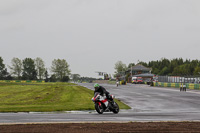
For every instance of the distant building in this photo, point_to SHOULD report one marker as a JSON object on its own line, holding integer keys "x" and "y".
{"x": 138, "y": 70}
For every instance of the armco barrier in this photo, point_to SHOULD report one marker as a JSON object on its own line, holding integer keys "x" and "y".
{"x": 177, "y": 85}
{"x": 22, "y": 81}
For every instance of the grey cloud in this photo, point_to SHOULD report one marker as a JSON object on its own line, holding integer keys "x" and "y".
{"x": 94, "y": 35}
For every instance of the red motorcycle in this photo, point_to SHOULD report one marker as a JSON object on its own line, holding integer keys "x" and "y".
{"x": 102, "y": 104}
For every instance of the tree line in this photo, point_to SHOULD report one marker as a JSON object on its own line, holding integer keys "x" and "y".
{"x": 173, "y": 67}
{"x": 34, "y": 69}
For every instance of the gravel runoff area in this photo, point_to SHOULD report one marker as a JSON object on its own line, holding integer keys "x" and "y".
{"x": 130, "y": 127}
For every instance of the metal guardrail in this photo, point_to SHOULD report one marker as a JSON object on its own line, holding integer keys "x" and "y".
{"x": 179, "y": 79}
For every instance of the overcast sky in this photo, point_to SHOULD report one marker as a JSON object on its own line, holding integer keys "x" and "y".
{"x": 92, "y": 35}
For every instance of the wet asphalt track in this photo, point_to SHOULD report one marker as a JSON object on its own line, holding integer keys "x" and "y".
{"x": 148, "y": 104}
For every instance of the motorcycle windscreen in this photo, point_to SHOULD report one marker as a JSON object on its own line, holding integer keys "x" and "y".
{"x": 96, "y": 93}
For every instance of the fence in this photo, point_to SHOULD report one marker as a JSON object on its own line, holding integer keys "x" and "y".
{"x": 177, "y": 85}
{"x": 179, "y": 79}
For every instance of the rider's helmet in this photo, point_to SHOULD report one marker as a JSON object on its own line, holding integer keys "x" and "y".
{"x": 96, "y": 86}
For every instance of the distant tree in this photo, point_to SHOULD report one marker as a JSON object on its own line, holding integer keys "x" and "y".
{"x": 131, "y": 65}
{"x": 34, "y": 75}
{"x": 155, "y": 66}
{"x": 143, "y": 63}
{"x": 46, "y": 76}
{"x": 155, "y": 70}
{"x": 60, "y": 68}
{"x": 53, "y": 78}
{"x": 40, "y": 67}
{"x": 29, "y": 71}
{"x": 120, "y": 67}
{"x": 5, "y": 75}
{"x": 176, "y": 66}
{"x": 187, "y": 61}
{"x": 127, "y": 76}
{"x": 164, "y": 71}
{"x": 3, "y": 70}
{"x": 181, "y": 70}
{"x": 192, "y": 66}
{"x": 197, "y": 71}
{"x": 180, "y": 61}
{"x": 65, "y": 79}
{"x": 16, "y": 67}
{"x": 75, "y": 77}
{"x": 9, "y": 77}
{"x": 164, "y": 63}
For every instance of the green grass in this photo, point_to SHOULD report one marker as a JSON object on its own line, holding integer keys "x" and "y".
{"x": 45, "y": 97}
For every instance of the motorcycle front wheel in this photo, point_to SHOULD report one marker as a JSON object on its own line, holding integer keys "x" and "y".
{"x": 98, "y": 108}
{"x": 116, "y": 108}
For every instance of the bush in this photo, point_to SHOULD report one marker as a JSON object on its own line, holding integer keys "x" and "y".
{"x": 65, "y": 79}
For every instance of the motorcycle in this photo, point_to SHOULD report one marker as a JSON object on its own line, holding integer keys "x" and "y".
{"x": 102, "y": 104}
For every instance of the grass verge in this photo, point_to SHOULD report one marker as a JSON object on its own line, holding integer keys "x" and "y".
{"x": 46, "y": 97}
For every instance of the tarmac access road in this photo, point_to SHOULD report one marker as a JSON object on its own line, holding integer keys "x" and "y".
{"x": 148, "y": 104}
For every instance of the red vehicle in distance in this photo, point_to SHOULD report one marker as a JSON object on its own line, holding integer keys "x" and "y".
{"x": 137, "y": 80}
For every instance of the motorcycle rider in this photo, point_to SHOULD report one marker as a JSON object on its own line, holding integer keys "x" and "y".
{"x": 117, "y": 83}
{"x": 102, "y": 91}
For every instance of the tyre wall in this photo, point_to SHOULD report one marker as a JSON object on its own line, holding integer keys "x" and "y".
{"x": 177, "y": 85}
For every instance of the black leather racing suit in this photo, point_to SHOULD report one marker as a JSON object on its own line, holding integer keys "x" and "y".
{"x": 102, "y": 91}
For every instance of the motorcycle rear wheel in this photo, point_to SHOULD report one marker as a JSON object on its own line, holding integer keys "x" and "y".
{"x": 98, "y": 108}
